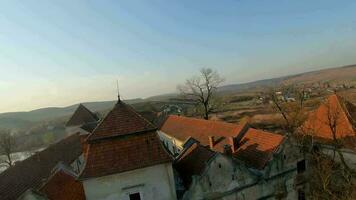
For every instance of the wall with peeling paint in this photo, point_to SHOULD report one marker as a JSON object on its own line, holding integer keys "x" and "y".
{"x": 153, "y": 183}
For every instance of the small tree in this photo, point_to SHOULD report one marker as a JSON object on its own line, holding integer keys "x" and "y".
{"x": 7, "y": 146}
{"x": 202, "y": 89}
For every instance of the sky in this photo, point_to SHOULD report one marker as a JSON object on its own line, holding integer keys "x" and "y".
{"x": 62, "y": 52}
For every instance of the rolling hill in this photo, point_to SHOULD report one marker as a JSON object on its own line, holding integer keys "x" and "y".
{"x": 28, "y": 119}
{"x": 337, "y": 74}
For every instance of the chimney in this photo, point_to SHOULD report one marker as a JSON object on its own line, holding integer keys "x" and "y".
{"x": 234, "y": 143}
{"x": 211, "y": 142}
{"x": 227, "y": 149}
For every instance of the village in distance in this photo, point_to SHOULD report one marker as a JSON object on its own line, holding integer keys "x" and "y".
{"x": 177, "y": 100}
{"x": 285, "y": 138}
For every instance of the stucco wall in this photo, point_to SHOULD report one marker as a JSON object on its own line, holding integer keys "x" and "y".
{"x": 227, "y": 179}
{"x": 154, "y": 183}
{"x": 349, "y": 155}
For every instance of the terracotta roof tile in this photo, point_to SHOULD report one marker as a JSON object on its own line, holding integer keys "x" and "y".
{"x": 334, "y": 109}
{"x": 82, "y": 115}
{"x": 124, "y": 141}
{"x": 124, "y": 153}
{"x": 63, "y": 186}
{"x": 31, "y": 173}
{"x": 184, "y": 127}
{"x": 121, "y": 120}
{"x": 257, "y": 147}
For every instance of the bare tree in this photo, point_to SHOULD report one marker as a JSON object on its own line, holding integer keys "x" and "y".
{"x": 329, "y": 178}
{"x": 202, "y": 89}
{"x": 293, "y": 113}
{"x": 334, "y": 120}
{"x": 7, "y": 146}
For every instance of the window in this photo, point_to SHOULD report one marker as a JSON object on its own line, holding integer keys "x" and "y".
{"x": 301, "y": 195}
{"x": 135, "y": 196}
{"x": 301, "y": 166}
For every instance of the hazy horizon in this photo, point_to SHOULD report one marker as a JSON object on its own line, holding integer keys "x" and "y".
{"x": 59, "y": 53}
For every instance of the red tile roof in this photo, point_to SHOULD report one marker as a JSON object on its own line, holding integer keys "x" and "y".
{"x": 63, "y": 186}
{"x": 184, "y": 127}
{"x": 121, "y": 120}
{"x": 193, "y": 161}
{"x": 31, "y": 172}
{"x": 334, "y": 110}
{"x": 124, "y": 141}
{"x": 124, "y": 154}
{"x": 255, "y": 147}
{"x": 82, "y": 115}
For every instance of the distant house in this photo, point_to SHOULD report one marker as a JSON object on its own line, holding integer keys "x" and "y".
{"x": 335, "y": 111}
{"x": 334, "y": 119}
{"x": 126, "y": 160}
{"x": 221, "y": 160}
{"x": 82, "y": 121}
{"x": 29, "y": 175}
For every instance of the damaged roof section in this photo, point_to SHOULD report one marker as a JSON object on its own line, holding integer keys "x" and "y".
{"x": 192, "y": 161}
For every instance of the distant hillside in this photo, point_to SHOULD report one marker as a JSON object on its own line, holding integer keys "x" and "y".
{"x": 338, "y": 74}
{"x": 27, "y": 119}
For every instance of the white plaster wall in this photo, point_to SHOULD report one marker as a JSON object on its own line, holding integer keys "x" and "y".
{"x": 154, "y": 183}
{"x": 174, "y": 145}
{"x": 349, "y": 156}
{"x": 218, "y": 180}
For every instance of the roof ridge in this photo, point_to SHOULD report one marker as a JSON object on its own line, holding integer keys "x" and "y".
{"x": 115, "y": 113}
{"x": 81, "y": 108}
{"x": 342, "y": 101}
{"x": 87, "y": 109}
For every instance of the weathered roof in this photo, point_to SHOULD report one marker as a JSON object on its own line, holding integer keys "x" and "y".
{"x": 193, "y": 161}
{"x": 82, "y": 115}
{"x": 31, "y": 172}
{"x": 334, "y": 111}
{"x": 122, "y": 154}
{"x": 124, "y": 141}
{"x": 62, "y": 185}
{"x": 89, "y": 127}
{"x": 184, "y": 127}
{"x": 257, "y": 147}
{"x": 254, "y": 147}
{"x": 121, "y": 120}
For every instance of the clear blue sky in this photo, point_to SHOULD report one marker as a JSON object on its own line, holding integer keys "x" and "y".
{"x": 59, "y": 52}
